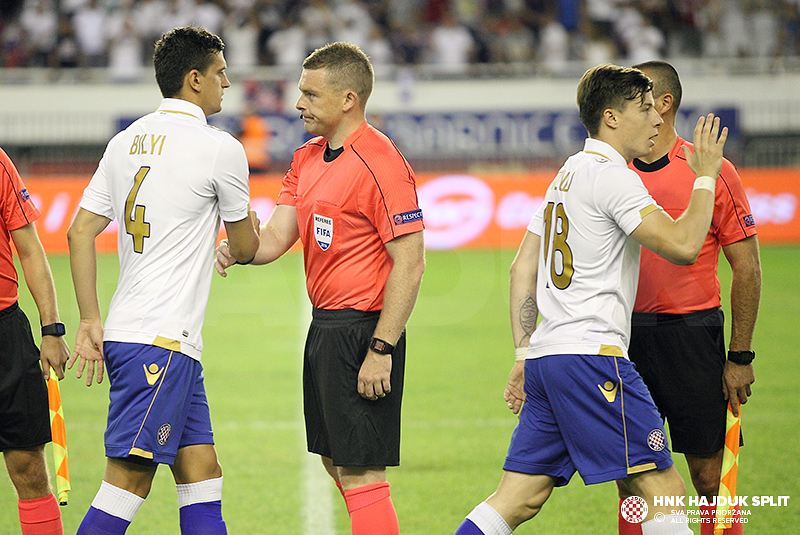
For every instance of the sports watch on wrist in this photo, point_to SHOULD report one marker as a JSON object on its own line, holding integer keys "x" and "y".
{"x": 54, "y": 329}
{"x": 741, "y": 357}
{"x": 381, "y": 346}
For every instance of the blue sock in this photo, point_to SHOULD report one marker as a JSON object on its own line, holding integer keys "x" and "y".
{"x": 97, "y": 522}
{"x": 468, "y": 527}
{"x": 203, "y": 518}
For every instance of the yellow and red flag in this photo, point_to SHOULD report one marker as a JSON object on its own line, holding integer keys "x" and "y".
{"x": 730, "y": 471}
{"x": 59, "y": 432}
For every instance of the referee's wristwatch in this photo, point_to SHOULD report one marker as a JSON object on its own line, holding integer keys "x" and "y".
{"x": 54, "y": 329}
{"x": 741, "y": 357}
{"x": 381, "y": 347}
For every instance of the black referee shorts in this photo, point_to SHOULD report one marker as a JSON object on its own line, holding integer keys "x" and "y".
{"x": 681, "y": 358}
{"x": 24, "y": 408}
{"x": 340, "y": 424}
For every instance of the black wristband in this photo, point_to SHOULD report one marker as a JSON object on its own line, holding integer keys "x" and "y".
{"x": 381, "y": 347}
{"x": 54, "y": 329}
{"x": 741, "y": 357}
{"x": 245, "y": 263}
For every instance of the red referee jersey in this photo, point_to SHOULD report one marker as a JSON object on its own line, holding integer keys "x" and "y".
{"x": 665, "y": 287}
{"x": 347, "y": 209}
{"x": 16, "y": 211}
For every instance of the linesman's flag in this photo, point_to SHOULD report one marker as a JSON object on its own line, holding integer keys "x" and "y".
{"x": 59, "y": 432}
{"x": 730, "y": 470}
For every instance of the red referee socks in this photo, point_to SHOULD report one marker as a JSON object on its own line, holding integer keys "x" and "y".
{"x": 40, "y": 516}
{"x": 710, "y": 511}
{"x": 371, "y": 510}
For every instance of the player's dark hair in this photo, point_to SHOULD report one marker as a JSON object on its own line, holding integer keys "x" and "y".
{"x": 180, "y": 51}
{"x": 348, "y": 68}
{"x": 665, "y": 80}
{"x": 609, "y": 86}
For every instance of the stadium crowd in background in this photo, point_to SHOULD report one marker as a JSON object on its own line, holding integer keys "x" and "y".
{"x": 119, "y": 34}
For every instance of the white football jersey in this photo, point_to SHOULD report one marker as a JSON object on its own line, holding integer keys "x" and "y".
{"x": 588, "y": 264}
{"x": 167, "y": 179}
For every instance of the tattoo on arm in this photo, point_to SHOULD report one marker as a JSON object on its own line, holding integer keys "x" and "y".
{"x": 528, "y": 315}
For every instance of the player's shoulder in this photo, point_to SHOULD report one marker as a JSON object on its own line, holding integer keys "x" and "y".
{"x": 372, "y": 141}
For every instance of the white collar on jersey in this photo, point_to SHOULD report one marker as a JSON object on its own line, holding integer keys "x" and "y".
{"x": 597, "y": 147}
{"x": 182, "y": 107}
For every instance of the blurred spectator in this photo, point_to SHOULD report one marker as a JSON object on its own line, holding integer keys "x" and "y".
{"x": 271, "y": 14}
{"x": 287, "y": 46}
{"x": 642, "y": 41}
{"x": 178, "y": 13}
{"x": 126, "y": 51}
{"x": 554, "y": 45}
{"x": 12, "y": 53}
{"x": 241, "y": 32}
{"x": 514, "y": 42}
{"x": 149, "y": 15}
{"x": 67, "y": 51}
{"x": 209, "y": 15}
{"x": 355, "y": 23}
{"x": 451, "y": 45}
{"x": 319, "y": 21}
{"x": 91, "y": 26}
{"x": 40, "y": 26}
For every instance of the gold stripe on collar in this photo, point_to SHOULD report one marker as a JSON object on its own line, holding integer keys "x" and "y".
{"x": 598, "y": 154}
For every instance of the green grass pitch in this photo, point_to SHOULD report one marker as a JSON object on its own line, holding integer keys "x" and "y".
{"x": 456, "y": 427}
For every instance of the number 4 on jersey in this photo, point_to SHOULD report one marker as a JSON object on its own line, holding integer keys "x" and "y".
{"x": 135, "y": 225}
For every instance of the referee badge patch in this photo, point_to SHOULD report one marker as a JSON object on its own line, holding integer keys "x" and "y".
{"x": 408, "y": 217}
{"x": 656, "y": 440}
{"x": 24, "y": 195}
{"x": 323, "y": 231}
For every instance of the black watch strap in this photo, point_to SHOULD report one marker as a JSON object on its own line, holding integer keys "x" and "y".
{"x": 381, "y": 347}
{"x": 741, "y": 357}
{"x": 54, "y": 329}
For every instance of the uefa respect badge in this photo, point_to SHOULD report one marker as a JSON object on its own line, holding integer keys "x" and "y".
{"x": 634, "y": 509}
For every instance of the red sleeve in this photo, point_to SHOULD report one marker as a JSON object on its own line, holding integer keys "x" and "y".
{"x": 289, "y": 188}
{"x": 392, "y": 204}
{"x": 733, "y": 220}
{"x": 17, "y": 206}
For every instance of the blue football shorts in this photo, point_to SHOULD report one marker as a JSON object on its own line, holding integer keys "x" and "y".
{"x": 157, "y": 403}
{"x": 586, "y": 413}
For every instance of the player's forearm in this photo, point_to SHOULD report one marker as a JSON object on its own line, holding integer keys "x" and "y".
{"x": 522, "y": 293}
{"x": 83, "y": 265}
{"x": 39, "y": 280}
{"x": 278, "y": 234}
{"x": 523, "y": 308}
{"x": 401, "y": 291}
{"x": 745, "y": 298}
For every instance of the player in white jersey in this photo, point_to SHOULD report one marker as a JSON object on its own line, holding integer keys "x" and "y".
{"x": 167, "y": 179}
{"x": 584, "y": 407}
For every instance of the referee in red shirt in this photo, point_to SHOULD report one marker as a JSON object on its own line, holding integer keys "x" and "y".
{"x": 350, "y": 197}
{"x": 677, "y": 335}
{"x": 24, "y": 408}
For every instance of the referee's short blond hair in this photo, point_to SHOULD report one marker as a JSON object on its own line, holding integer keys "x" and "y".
{"x": 348, "y": 67}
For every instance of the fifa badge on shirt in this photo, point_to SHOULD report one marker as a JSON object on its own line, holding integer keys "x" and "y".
{"x": 24, "y": 195}
{"x": 323, "y": 231}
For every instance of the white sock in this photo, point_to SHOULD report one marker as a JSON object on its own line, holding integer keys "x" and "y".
{"x": 488, "y": 520}
{"x": 667, "y": 525}
{"x": 209, "y": 490}
{"x": 117, "y": 502}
